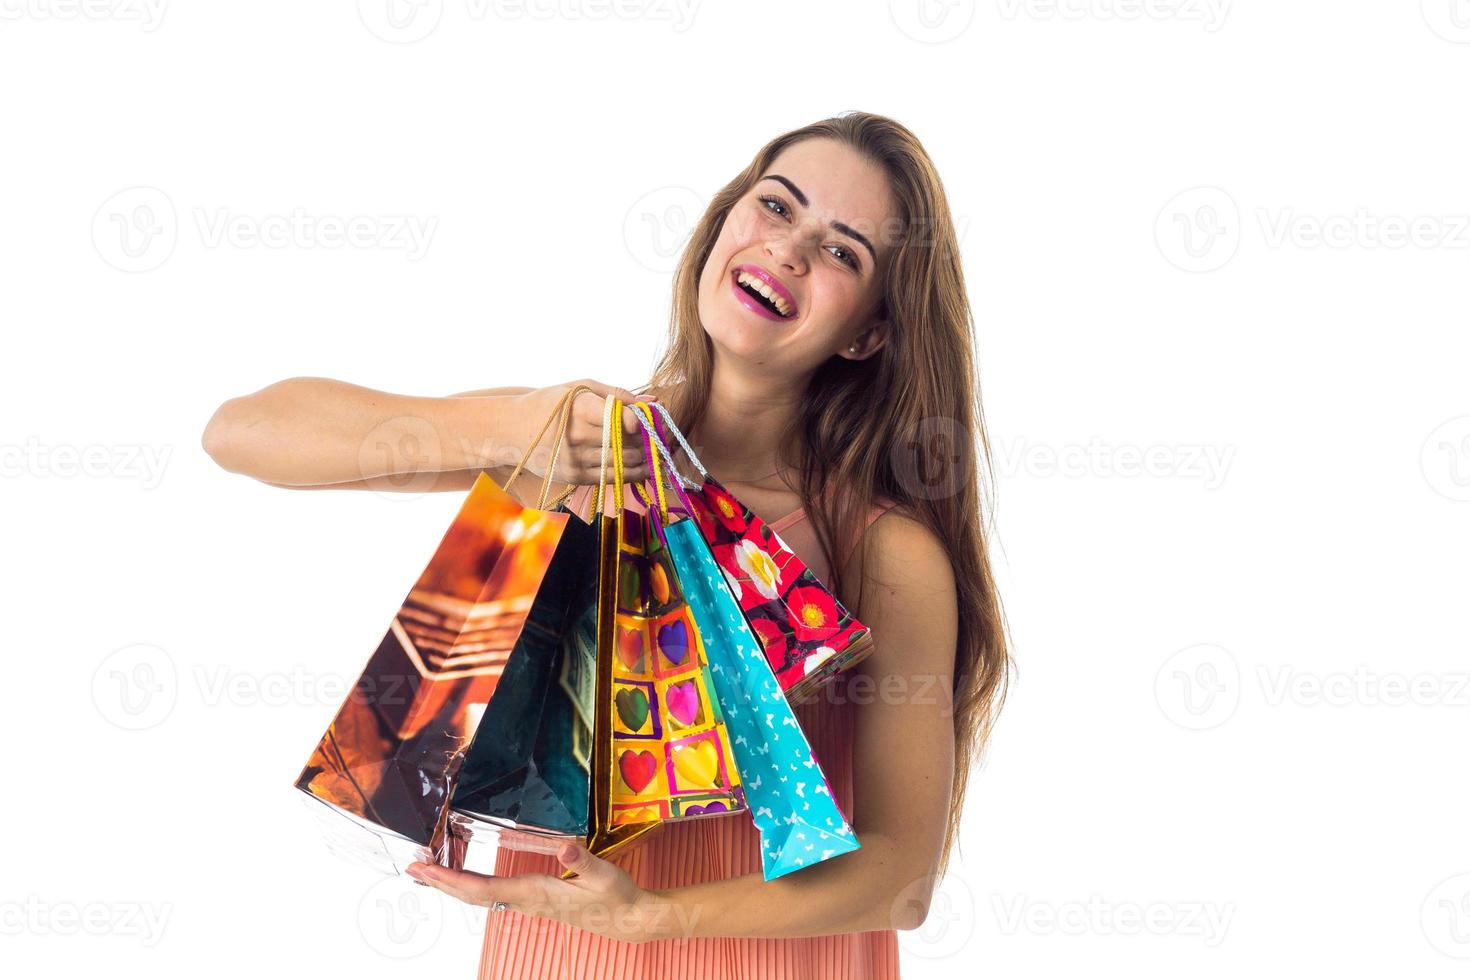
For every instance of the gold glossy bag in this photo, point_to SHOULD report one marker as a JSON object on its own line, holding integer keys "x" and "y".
{"x": 662, "y": 750}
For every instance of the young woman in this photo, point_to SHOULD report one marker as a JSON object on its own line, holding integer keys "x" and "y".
{"x": 821, "y": 360}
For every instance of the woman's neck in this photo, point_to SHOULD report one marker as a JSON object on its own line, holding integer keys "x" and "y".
{"x": 745, "y": 419}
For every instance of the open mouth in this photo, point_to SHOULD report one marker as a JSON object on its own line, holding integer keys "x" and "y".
{"x": 759, "y": 296}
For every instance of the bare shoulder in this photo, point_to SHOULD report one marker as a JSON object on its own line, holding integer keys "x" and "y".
{"x": 900, "y": 551}
{"x": 905, "y": 573}
{"x": 907, "y": 594}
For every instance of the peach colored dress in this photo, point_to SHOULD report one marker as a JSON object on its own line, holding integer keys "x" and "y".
{"x": 685, "y": 852}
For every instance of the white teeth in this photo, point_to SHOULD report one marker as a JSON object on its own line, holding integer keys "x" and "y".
{"x": 746, "y": 279}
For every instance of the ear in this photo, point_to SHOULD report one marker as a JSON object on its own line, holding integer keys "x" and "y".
{"x": 867, "y": 343}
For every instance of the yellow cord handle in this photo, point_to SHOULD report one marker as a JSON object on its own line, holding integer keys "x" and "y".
{"x": 617, "y": 458}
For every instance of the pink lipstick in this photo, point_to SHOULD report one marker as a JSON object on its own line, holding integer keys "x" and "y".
{"x": 752, "y": 300}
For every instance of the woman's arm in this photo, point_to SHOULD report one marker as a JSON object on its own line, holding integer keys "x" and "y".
{"x": 903, "y": 764}
{"x": 319, "y": 432}
{"x": 316, "y": 433}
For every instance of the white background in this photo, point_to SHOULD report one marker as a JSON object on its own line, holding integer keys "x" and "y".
{"x": 1227, "y": 239}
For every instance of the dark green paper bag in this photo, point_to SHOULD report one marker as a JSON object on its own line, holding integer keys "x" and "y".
{"x": 527, "y": 767}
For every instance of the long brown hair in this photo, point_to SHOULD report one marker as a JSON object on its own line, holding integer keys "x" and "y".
{"x": 906, "y": 422}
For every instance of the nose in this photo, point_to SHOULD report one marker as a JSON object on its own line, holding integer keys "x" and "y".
{"x": 787, "y": 250}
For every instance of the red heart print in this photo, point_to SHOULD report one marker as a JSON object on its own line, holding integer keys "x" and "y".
{"x": 630, "y": 647}
{"x": 637, "y": 768}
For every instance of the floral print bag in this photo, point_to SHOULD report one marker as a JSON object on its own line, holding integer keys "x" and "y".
{"x": 807, "y": 634}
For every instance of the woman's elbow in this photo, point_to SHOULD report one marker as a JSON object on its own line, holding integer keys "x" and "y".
{"x": 226, "y": 437}
{"x": 901, "y": 903}
{"x": 241, "y": 431}
{"x": 910, "y": 907}
{"x": 217, "y": 438}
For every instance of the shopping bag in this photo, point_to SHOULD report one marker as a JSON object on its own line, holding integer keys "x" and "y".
{"x": 785, "y": 789}
{"x": 380, "y": 777}
{"x": 807, "y": 634}
{"x": 610, "y": 656}
{"x": 668, "y": 749}
{"x": 528, "y": 766}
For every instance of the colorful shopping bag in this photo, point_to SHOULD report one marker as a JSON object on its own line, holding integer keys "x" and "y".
{"x": 528, "y": 767}
{"x": 381, "y": 776}
{"x": 608, "y": 694}
{"x": 670, "y": 755}
{"x": 531, "y": 778}
{"x": 807, "y": 634}
{"x": 786, "y": 791}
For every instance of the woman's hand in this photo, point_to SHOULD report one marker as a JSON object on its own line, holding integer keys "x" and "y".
{"x": 581, "y": 449}
{"x": 603, "y": 898}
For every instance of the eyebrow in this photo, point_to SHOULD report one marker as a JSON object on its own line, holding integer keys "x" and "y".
{"x": 838, "y": 226}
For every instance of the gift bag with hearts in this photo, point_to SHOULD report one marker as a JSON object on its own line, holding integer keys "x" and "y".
{"x": 668, "y": 746}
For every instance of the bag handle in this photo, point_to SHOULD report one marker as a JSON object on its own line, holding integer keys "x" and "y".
{"x": 683, "y": 443}
{"x": 562, "y": 411}
{"x": 610, "y": 457}
{"x": 655, "y": 450}
{"x": 679, "y": 481}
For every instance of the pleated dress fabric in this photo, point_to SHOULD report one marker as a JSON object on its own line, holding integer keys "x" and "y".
{"x": 520, "y": 947}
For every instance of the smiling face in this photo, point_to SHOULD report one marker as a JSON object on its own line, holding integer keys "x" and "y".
{"x": 797, "y": 272}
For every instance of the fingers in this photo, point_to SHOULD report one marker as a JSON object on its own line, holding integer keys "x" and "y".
{"x": 581, "y": 467}
{"x": 590, "y": 868}
{"x": 589, "y": 406}
{"x": 622, "y": 394}
{"x": 590, "y": 410}
{"x": 582, "y": 451}
{"x": 521, "y": 892}
{"x": 582, "y": 457}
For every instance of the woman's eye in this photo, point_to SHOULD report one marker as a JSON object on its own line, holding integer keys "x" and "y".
{"x": 846, "y": 255}
{"x": 768, "y": 202}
